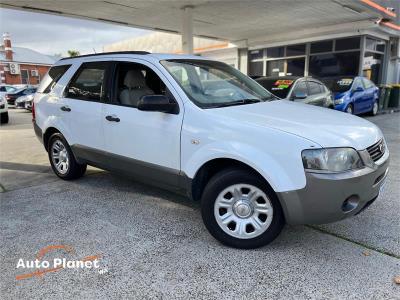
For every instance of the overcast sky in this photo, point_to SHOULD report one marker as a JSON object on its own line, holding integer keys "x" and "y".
{"x": 52, "y": 34}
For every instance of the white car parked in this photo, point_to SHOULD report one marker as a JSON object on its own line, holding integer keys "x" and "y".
{"x": 201, "y": 127}
{"x": 3, "y": 110}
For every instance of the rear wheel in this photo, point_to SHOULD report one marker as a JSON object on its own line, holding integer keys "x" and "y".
{"x": 4, "y": 117}
{"x": 240, "y": 210}
{"x": 62, "y": 159}
{"x": 349, "y": 109}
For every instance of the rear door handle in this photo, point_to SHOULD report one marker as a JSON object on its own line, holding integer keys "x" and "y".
{"x": 65, "y": 108}
{"x": 112, "y": 118}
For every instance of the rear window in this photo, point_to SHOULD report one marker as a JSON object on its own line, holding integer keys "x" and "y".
{"x": 340, "y": 84}
{"x": 52, "y": 77}
{"x": 278, "y": 87}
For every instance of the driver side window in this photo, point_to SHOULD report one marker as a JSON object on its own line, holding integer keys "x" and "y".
{"x": 301, "y": 88}
{"x": 357, "y": 84}
{"x": 133, "y": 81}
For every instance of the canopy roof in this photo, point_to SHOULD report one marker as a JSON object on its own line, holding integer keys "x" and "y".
{"x": 227, "y": 20}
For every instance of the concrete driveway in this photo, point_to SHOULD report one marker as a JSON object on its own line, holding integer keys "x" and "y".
{"x": 153, "y": 244}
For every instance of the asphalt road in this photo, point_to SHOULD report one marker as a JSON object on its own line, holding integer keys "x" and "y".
{"x": 153, "y": 244}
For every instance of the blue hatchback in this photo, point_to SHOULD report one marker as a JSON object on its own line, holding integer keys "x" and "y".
{"x": 354, "y": 94}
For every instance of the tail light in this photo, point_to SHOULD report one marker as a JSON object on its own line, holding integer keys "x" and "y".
{"x": 33, "y": 111}
{"x": 7, "y": 97}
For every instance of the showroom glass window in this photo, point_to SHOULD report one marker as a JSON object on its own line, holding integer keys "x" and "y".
{"x": 338, "y": 57}
{"x": 278, "y": 61}
{"x": 88, "y": 82}
{"x": 348, "y": 56}
{"x": 373, "y": 59}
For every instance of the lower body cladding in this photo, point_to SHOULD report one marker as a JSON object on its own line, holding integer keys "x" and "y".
{"x": 333, "y": 197}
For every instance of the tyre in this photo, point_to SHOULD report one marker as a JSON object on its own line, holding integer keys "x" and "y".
{"x": 349, "y": 109}
{"x": 240, "y": 210}
{"x": 4, "y": 117}
{"x": 62, "y": 159}
{"x": 375, "y": 109}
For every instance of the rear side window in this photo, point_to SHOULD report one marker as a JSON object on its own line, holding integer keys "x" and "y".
{"x": 367, "y": 83}
{"x": 52, "y": 77}
{"x": 315, "y": 88}
{"x": 88, "y": 82}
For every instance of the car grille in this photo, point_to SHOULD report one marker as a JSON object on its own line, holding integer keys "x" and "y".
{"x": 377, "y": 150}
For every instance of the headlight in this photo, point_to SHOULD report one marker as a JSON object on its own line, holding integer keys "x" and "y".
{"x": 339, "y": 101}
{"x": 331, "y": 159}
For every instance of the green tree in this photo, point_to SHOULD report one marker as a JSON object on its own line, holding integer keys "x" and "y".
{"x": 73, "y": 53}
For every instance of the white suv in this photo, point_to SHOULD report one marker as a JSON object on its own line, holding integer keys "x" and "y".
{"x": 201, "y": 127}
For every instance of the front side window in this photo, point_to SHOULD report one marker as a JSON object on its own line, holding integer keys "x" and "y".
{"x": 357, "y": 84}
{"x": 133, "y": 81}
{"x": 301, "y": 88}
{"x": 211, "y": 84}
{"x": 88, "y": 82}
{"x": 314, "y": 88}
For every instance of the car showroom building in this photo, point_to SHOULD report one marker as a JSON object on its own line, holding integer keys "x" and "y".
{"x": 303, "y": 37}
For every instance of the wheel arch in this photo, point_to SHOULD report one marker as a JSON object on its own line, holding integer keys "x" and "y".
{"x": 212, "y": 167}
{"x": 47, "y": 134}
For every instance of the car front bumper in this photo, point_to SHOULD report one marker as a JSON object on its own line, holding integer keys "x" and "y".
{"x": 332, "y": 197}
{"x": 341, "y": 107}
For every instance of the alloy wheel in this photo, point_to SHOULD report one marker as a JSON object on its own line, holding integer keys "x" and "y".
{"x": 375, "y": 108}
{"x": 243, "y": 211}
{"x": 60, "y": 156}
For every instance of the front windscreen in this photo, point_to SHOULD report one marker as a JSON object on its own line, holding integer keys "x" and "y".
{"x": 340, "y": 84}
{"x": 278, "y": 87}
{"x": 211, "y": 84}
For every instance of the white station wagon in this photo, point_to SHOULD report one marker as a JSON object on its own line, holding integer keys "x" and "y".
{"x": 202, "y": 128}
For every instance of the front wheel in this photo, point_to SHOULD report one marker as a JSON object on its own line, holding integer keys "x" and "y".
{"x": 62, "y": 159}
{"x": 375, "y": 108}
{"x": 240, "y": 210}
{"x": 349, "y": 109}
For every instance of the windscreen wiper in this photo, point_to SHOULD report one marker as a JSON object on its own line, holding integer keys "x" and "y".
{"x": 237, "y": 102}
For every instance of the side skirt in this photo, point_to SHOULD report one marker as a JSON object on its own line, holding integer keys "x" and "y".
{"x": 151, "y": 174}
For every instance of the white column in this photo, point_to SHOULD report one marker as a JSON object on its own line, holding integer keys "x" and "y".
{"x": 187, "y": 30}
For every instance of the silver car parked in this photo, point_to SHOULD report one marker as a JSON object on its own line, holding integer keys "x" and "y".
{"x": 300, "y": 89}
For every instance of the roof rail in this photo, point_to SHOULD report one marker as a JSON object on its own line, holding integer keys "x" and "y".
{"x": 109, "y": 53}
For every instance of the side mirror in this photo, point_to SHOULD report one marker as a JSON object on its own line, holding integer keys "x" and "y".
{"x": 158, "y": 103}
{"x": 299, "y": 96}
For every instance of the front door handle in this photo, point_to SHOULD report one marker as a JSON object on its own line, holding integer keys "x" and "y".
{"x": 65, "y": 108}
{"x": 112, "y": 118}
